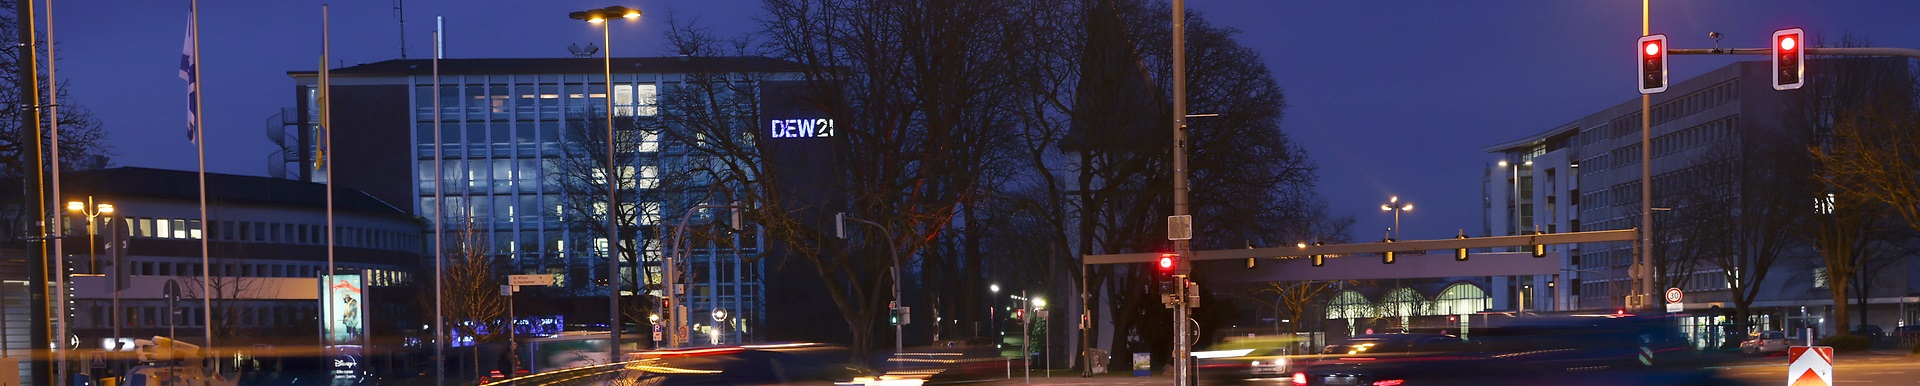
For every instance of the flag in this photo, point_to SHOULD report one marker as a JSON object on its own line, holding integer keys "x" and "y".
{"x": 320, "y": 154}
{"x": 189, "y": 71}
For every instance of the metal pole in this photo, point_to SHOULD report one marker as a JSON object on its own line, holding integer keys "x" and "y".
{"x": 672, "y": 257}
{"x": 113, "y": 282}
{"x": 898, "y": 334}
{"x": 613, "y": 195}
{"x": 1026, "y": 341}
{"x": 1645, "y": 264}
{"x": 1086, "y": 319}
{"x": 1181, "y": 247}
{"x": 29, "y": 79}
{"x": 439, "y": 212}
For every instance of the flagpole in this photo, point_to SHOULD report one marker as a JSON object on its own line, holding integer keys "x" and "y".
{"x": 60, "y": 265}
{"x": 326, "y": 169}
{"x": 439, "y": 262}
{"x": 200, "y": 147}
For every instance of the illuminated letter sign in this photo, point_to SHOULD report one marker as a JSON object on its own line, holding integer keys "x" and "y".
{"x": 800, "y": 128}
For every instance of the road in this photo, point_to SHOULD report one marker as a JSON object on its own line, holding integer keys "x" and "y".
{"x": 1847, "y": 369}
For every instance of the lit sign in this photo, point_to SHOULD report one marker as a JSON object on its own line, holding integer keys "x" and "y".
{"x": 801, "y": 128}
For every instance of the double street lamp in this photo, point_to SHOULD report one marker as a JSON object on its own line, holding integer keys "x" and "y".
{"x": 600, "y": 16}
{"x": 1394, "y": 205}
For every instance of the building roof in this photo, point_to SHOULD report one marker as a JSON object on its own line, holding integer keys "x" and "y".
{"x": 586, "y": 65}
{"x": 225, "y": 189}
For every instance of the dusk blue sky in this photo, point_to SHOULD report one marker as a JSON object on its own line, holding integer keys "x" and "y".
{"x": 1388, "y": 97}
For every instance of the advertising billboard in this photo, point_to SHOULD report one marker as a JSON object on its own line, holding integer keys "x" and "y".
{"x": 343, "y": 309}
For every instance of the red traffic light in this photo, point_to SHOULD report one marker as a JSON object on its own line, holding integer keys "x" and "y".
{"x": 1166, "y": 261}
{"x": 1789, "y": 59}
{"x": 1653, "y": 64}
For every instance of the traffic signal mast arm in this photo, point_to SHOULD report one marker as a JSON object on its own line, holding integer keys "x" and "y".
{"x": 1842, "y": 51}
{"x": 1397, "y": 246}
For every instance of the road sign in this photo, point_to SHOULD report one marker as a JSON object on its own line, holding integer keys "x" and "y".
{"x": 1673, "y": 295}
{"x": 1809, "y": 365}
{"x": 171, "y": 291}
{"x": 517, "y": 280}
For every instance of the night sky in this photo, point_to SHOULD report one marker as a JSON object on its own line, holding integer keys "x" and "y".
{"x": 1388, "y": 97}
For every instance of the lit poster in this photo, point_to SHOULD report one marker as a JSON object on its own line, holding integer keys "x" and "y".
{"x": 343, "y": 309}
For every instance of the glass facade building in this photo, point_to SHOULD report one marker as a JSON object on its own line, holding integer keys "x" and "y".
{"x": 503, "y": 141}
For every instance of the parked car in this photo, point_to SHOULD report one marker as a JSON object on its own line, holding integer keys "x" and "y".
{"x": 1765, "y": 342}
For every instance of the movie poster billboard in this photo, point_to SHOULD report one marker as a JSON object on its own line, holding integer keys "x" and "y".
{"x": 343, "y": 309}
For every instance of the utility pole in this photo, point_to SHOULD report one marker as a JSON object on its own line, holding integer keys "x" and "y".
{"x": 30, "y": 133}
{"x": 1180, "y": 225}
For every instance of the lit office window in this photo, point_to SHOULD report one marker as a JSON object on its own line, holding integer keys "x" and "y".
{"x": 649, "y": 176}
{"x": 650, "y": 213}
{"x": 629, "y": 100}
{"x": 649, "y": 141}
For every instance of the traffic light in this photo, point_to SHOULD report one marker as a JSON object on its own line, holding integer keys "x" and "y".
{"x": 1163, "y": 268}
{"x": 893, "y": 316}
{"x": 1387, "y": 257}
{"x": 1460, "y": 254}
{"x": 1653, "y": 64}
{"x": 1163, "y": 272}
{"x": 1789, "y": 59}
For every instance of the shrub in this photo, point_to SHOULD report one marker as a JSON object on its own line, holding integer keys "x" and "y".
{"x": 1847, "y": 343}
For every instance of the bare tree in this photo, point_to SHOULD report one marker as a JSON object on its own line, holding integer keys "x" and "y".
{"x": 1739, "y": 209}
{"x": 470, "y": 293}
{"x": 82, "y": 142}
{"x": 1853, "y": 102}
{"x": 1294, "y": 300}
{"x": 1874, "y": 128}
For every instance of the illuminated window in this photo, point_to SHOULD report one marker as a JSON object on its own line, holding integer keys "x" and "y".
{"x": 649, "y": 177}
{"x": 649, "y": 141}
{"x": 650, "y": 213}
{"x": 629, "y": 100}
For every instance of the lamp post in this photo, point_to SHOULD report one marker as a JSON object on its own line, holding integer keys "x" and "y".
{"x": 600, "y": 16}
{"x": 1513, "y": 200}
{"x": 898, "y": 333}
{"x": 93, "y": 211}
{"x": 994, "y": 290}
{"x": 1394, "y": 205}
{"x": 675, "y": 320}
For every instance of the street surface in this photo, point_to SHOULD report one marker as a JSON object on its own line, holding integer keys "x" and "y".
{"x": 1876, "y": 369}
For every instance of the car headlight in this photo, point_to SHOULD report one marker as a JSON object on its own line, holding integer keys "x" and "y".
{"x": 1256, "y": 363}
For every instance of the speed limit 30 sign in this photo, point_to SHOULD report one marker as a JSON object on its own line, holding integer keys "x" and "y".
{"x": 1673, "y": 300}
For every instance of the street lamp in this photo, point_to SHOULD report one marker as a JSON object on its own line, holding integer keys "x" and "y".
{"x": 992, "y": 321}
{"x": 92, "y": 211}
{"x": 600, "y": 16}
{"x": 898, "y": 333}
{"x": 1513, "y": 200}
{"x": 1393, "y": 205}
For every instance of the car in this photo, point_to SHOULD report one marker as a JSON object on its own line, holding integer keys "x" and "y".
{"x": 1612, "y": 349}
{"x": 1765, "y": 342}
{"x": 1234, "y": 365}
